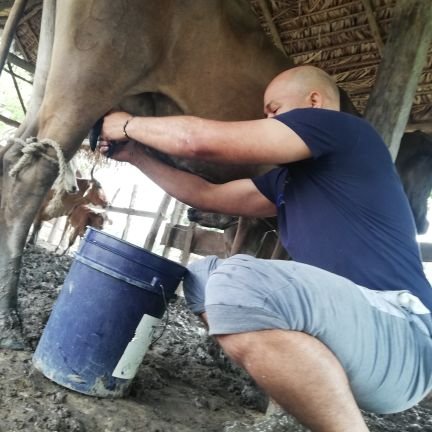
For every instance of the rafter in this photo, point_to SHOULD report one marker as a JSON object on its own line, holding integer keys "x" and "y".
{"x": 373, "y": 24}
{"x": 271, "y": 25}
{"x": 10, "y": 28}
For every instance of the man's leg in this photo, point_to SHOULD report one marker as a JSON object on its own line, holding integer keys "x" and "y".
{"x": 301, "y": 374}
{"x": 384, "y": 348}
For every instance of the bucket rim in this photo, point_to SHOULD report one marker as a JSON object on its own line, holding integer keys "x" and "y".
{"x": 140, "y": 249}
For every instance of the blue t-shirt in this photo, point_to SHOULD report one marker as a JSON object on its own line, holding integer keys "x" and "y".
{"x": 344, "y": 209}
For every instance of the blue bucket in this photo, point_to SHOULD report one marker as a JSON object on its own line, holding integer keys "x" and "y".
{"x": 103, "y": 320}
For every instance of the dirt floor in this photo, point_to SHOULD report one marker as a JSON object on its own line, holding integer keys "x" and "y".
{"x": 184, "y": 384}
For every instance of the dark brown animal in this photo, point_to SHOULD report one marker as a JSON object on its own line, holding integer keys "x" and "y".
{"x": 414, "y": 165}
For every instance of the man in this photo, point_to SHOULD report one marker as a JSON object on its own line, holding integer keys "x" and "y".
{"x": 347, "y": 323}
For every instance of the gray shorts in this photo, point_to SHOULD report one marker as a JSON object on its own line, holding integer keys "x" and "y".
{"x": 381, "y": 338}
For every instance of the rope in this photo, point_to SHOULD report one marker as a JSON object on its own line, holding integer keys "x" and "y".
{"x": 167, "y": 317}
{"x": 32, "y": 146}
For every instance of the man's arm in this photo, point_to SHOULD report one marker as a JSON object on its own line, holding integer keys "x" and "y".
{"x": 239, "y": 197}
{"x": 265, "y": 141}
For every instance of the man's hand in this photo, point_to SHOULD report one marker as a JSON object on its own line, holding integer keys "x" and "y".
{"x": 113, "y": 126}
{"x": 119, "y": 151}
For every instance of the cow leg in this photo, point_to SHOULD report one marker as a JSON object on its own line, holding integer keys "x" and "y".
{"x": 73, "y": 236}
{"x": 21, "y": 199}
{"x": 3, "y": 151}
{"x": 65, "y": 230}
{"x": 35, "y": 232}
{"x": 46, "y": 40}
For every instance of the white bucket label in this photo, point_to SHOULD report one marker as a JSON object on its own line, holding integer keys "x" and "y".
{"x": 134, "y": 353}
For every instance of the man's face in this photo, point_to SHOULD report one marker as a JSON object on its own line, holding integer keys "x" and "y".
{"x": 282, "y": 97}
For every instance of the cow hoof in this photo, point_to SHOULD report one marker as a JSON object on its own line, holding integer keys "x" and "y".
{"x": 11, "y": 336}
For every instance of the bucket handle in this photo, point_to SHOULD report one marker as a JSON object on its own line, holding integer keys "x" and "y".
{"x": 156, "y": 282}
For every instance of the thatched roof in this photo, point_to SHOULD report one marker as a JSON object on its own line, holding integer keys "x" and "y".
{"x": 344, "y": 37}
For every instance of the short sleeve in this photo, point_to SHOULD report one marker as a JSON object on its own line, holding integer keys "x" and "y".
{"x": 268, "y": 183}
{"x": 323, "y": 131}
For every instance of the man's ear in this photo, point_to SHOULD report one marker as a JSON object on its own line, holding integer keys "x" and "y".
{"x": 315, "y": 99}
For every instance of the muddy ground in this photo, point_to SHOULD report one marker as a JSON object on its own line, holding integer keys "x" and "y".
{"x": 184, "y": 384}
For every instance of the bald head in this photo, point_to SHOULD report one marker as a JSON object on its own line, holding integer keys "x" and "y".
{"x": 301, "y": 87}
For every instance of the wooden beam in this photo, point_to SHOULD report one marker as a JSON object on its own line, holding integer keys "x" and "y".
{"x": 9, "y": 121}
{"x": 424, "y": 126}
{"x": 21, "y": 63}
{"x": 17, "y": 89}
{"x": 5, "y": 4}
{"x": 157, "y": 222}
{"x": 373, "y": 25}
{"x": 9, "y": 30}
{"x": 271, "y": 25}
{"x": 179, "y": 209}
{"x": 188, "y": 244}
{"x": 131, "y": 206}
{"x": 205, "y": 242}
{"x": 131, "y": 212}
{"x": 404, "y": 56}
{"x": 10, "y": 72}
{"x": 34, "y": 11}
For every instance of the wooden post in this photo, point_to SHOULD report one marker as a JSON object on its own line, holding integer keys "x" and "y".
{"x": 157, "y": 222}
{"x": 9, "y": 121}
{"x": 272, "y": 27}
{"x": 114, "y": 196}
{"x": 9, "y": 30}
{"x": 177, "y": 214}
{"x": 131, "y": 206}
{"x": 23, "y": 64}
{"x": 373, "y": 26}
{"x": 188, "y": 244}
{"x": 56, "y": 226}
{"x": 404, "y": 57}
{"x": 12, "y": 73}
{"x": 17, "y": 89}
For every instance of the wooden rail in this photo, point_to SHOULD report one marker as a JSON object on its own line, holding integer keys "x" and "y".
{"x": 131, "y": 212}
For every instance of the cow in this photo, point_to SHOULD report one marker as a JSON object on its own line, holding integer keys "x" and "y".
{"x": 414, "y": 165}
{"x": 79, "y": 218}
{"x": 89, "y": 191}
{"x": 149, "y": 58}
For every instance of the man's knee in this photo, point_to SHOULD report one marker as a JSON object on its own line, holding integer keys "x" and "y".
{"x": 243, "y": 347}
{"x": 236, "y": 346}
